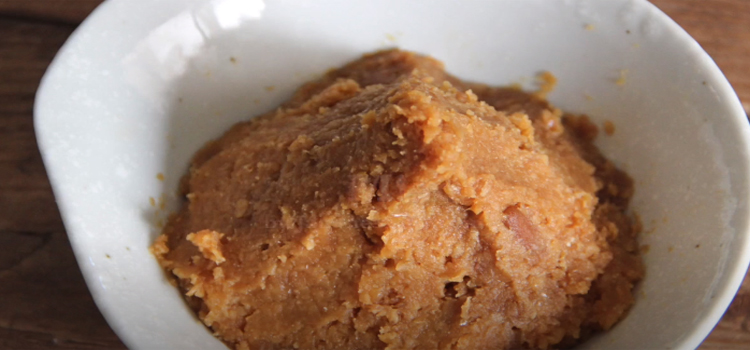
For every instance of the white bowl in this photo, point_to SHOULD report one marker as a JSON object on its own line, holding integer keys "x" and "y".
{"x": 142, "y": 85}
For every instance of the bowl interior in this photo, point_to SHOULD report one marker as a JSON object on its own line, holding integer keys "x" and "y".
{"x": 140, "y": 87}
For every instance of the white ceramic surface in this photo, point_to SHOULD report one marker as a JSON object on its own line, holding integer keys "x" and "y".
{"x": 142, "y": 85}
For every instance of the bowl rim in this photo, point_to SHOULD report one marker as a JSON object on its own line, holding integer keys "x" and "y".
{"x": 736, "y": 272}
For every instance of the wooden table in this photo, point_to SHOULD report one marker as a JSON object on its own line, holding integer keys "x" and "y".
{"x": 44, "y": 303}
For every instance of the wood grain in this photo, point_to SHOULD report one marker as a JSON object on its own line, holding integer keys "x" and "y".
{"x": 55, "y": 11}
{"x": 44, "y": 302}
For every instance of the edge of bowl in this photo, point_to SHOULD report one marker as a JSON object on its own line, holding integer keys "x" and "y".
{"x": 80, "y": 256}
{"x": 735, "y": 269}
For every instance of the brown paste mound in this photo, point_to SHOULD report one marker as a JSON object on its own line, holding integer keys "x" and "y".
{"x": 387, "y": 206}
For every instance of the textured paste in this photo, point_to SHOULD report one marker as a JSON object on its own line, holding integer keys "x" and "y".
{"x": 391, "y": 205}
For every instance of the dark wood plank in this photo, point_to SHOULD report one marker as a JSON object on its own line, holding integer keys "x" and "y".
{"x": 45, "y": 302}
{"x": 733, "y": 332}
{"x": 62, "y": 11}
